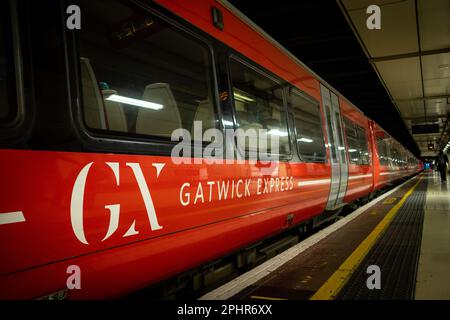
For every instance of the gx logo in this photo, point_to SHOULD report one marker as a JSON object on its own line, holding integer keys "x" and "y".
{"x": 77, "y": 201}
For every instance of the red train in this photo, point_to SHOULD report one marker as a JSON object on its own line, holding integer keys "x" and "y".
{"x": 87, "y": 177}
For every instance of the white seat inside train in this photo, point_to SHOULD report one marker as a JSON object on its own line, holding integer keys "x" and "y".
{"x": 94, "y": 114}
{"x": 100, "y": 113}
{"x": 159, "y": 122}
{"x": 205, "y": 115}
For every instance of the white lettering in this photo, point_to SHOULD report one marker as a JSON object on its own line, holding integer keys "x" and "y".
{"x": 199, "y": 194}
{"x": 185, "y": 197}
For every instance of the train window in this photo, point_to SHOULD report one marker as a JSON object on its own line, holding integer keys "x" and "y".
{"x": 357, "y": 143}
{"x": 340, "y": 142}
{"x": 363, "y": 145}
{"x": 258, "y": 103}
{"x": 330, "y": 126}
{"x": 8, "y": 103}
{"x": 140, "y": 75}
{"x": 308, "y": 127}
{"x": 395, "y": 155}
{"x": 380, "y": 150}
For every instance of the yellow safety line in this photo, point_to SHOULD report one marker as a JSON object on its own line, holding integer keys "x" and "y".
{"x": 265, "y": 298}
{"x": 336, "y": 282}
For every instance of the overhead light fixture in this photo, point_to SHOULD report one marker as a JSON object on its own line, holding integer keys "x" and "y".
{"x": 135, "y": 102}
{"x": 305, "y": 140}
{"x": 352, "y": 150}
{"x": 228, "y": 123}
{"x": 243, "y": 98}
{"x": 444, "y": 66}
{"x": 277, "y": 132}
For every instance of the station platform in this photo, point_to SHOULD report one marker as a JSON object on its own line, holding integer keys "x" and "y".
{"x": 395, "y": 247}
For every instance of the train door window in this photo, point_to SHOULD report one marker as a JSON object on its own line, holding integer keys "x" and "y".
{"x": 330, "y": 126}
{"x": 258, "y": 103}
{"x": 308, "y": 127}
{"x": 352, "y": 142}
{"x": 140, "y": 75}
{"x": 8, "y": 95}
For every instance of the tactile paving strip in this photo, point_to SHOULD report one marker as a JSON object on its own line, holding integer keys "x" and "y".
{"x": 396, "y": 253}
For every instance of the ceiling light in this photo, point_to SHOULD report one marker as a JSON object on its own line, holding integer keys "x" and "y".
{"x": 444, "y": 66}
{"x": 135, "y": 102}
{"x": 227, "y": 123}
{"x": 305, "y": 140}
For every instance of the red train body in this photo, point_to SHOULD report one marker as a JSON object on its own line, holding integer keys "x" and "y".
{"x": 171, "y": 218}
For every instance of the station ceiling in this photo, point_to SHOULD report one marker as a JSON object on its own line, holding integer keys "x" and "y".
{"x": 411, "y": 55}
{"x": 398, "y": 76}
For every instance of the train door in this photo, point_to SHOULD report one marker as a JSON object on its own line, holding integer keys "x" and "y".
{"x": 338, "y": 156}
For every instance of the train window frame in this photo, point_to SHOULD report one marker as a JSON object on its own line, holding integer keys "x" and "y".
{"x": 303, "y": 95}
{"x": 115, "y": 141}
{"x": 16, "y": 95}
{"x": 349, "y": 125}
{"x": 238, "y": 57}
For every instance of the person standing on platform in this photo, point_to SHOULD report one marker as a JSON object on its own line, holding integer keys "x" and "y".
{"x": 441, "y": 162}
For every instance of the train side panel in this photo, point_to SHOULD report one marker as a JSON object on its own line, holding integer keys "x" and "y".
{"x": 80, "y": 204}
